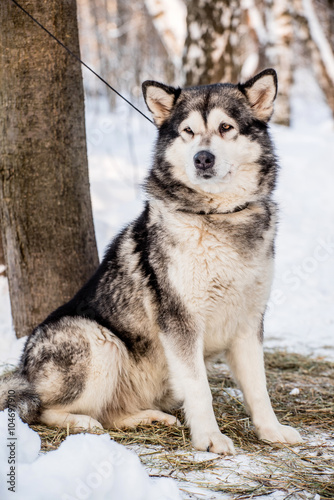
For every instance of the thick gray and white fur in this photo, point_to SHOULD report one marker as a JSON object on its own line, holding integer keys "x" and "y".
{"x": 184, "y": 283}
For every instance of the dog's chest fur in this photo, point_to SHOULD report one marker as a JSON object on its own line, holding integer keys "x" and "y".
{"x": 221, "y": 267}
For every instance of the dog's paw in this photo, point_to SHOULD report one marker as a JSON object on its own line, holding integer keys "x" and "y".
{"x": 215, "y": 442}
{"x": 280, "y": 434}
{"x": 85, "y": 422}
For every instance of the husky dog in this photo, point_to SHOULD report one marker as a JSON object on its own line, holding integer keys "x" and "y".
{"x": 187, "y": 281}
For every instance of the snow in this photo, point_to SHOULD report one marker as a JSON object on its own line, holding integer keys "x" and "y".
{"x": 10, "y": 347}
{"x": 234, "y": 393}
{"x": 84, "y": 466}
{"x": 300, "y": 316}
{"x": 243, "y": 471}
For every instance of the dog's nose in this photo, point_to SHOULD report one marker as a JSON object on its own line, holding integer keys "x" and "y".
{"x": 204, "y": 160}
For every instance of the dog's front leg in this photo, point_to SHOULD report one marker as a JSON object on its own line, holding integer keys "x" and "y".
{"x": 245, "y": 357}
{"x": 190, "y": 383}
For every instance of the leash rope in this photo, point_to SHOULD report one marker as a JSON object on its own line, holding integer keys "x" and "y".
{"x": 78, "y": 59}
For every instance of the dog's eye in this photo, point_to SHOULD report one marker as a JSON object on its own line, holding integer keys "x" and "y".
{"x": 188, "y": 130}
{"x": 224, "y": 127}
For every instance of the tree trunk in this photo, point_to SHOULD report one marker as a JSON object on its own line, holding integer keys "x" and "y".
{"x": 316, "y": 23}
{"x": 2, "y": 259}
{"x": 45, "y": 204}
{"x": 279, "y": 55}
{"x": 213, "y": 43}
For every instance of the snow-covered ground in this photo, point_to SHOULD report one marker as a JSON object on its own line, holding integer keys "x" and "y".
{"x": 300, "y": 315}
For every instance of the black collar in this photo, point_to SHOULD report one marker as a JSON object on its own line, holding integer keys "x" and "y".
{"x": 236, "y": 209}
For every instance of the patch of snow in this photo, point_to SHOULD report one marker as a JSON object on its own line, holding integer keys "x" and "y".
{"x": 10, "y": 347}
{"x": 28, "y": 442}
{"x": 295, "y": 392}
{"x": 234, "y": 393}
{"x": 84, "y": 466}
{"x": 218, "y": 472}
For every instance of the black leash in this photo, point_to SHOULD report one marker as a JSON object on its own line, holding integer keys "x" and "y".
{"x": 78, "y": 59}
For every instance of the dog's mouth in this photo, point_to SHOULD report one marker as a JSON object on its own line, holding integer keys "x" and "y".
{"x": 206, "y": 175}
{"x": 212, "y": 174}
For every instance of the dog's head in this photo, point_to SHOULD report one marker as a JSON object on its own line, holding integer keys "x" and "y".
{"x": 214, "y": 138}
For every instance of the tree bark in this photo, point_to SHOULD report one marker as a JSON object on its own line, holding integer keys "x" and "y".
{"x": 213, "y": 43}
{"x": 320, "y": 43}
{"x": 279, "y": 54}
{"x": 2, "y": 258}
{"x": 45, "y": 205}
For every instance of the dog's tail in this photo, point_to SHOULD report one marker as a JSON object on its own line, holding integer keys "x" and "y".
{"x": 16, "y": 393}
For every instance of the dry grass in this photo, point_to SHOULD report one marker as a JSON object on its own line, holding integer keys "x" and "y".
{"x": 301, "y": 472}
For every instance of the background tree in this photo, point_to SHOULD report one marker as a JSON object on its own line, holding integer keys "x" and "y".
{"x": 126, "y": 47}
{"x": 213, "y": 43}
{"x": 227, "y": 41}
{"x": 314, "y": 41}
{"x": 47, "y": 226}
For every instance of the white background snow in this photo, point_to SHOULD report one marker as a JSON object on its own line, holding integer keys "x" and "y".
{"x": 301, "y": 309}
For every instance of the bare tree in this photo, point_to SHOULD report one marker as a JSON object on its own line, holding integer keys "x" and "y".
{"x": 314, "y": 27}
{"x": 121, "y": 40}
{"x": 45, "y": 207}
{"x": 141, "y": 52}
{"x": 212, "y": 48}
{"x": 279, "y": 54}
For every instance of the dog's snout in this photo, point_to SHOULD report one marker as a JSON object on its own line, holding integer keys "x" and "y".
{"x": 204, "y": 160}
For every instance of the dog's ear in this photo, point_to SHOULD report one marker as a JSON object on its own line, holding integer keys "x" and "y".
{"x": 159, "y": 99}
{"x": 261, "y": 91}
